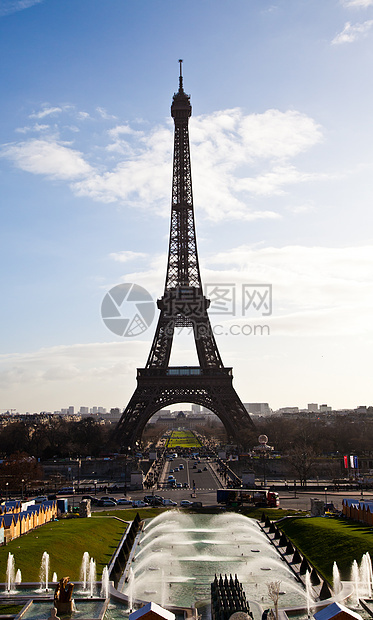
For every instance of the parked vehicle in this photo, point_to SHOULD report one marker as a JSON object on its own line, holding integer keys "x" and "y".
{"x": 111, "y": 498}
{"x": 139, "y": 503}
{"x": 169, "y": 502}
{"x": 106, "y": 502}
{"x": 123, "y": 501}
{"x": 153, "y": 500}
{"x": 185, "y": 503}
{"x": 41, "y": 499}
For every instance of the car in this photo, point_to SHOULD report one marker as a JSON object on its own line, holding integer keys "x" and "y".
{"x": 93, "y": 499}
{"x": 153, "y": 500}
{"x": 205, "y": 469}
{"x": 106, "y": 502}
{"x": 185, "y": 503}
{"x": 176, "y": 469}
{"x": 181, "y": 466}
{"x": 171, "y": 471}
{"x": 123, "y": 501}
{"x": 40, "y": 499}
{"x": 185, "y": 485}
{"x": 179, "y": 485}
{"x": 194, "y": 466}
{"x": 111, "y": 498}
{"x": 169, "y": 502}
{"x": 139, "y": 503}
{"x": 199, "y": 471}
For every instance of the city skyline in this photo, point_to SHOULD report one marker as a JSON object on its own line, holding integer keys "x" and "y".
{"x": 281, "y": 138}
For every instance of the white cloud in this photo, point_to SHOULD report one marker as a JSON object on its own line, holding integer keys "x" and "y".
{"x": 36, "y": 127}
{"x": 357, "y": 3}
{"x": 304, "y": 279}
{"x": 234, "y": 157}
{"x": 126, "y": 255}
{"x": 48, "y": 374}
{"x": 104, "y": 114}
{"x": 351, "y": 33}
{"x": 13, "y": 6}
{"x": 48, "y": 158}
{"x": 46, "y": 112}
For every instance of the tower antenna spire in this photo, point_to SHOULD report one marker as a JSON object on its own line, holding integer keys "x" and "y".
{"x": 181, "y": 75}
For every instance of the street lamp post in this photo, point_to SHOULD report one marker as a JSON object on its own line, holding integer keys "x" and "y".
{"x": 7, "y": 496}
{"x": 125, "y": 470}
{"x": 326, "y": 495}
{"x": 23, "y": 481}
{"x": 263, "y": 441}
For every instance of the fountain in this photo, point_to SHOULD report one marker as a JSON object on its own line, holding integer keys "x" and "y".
{"x": 54, "y": 577}
{"x": 309, "y": 593}
{"x": 337, "y": 586}
{"x": 44, "y": 571}
{"x": 179, "y": 554}
{"x": 92, "y": 576}
{"x": 10, "y": 573}
{"x": 18, "y": 578}
{"x": 105, "y": 583}
{"x": 130, "y": 589}
{"x": 355, "y": 578}
{"x": 365, "y": 572}
{"x": 84, "y": 569}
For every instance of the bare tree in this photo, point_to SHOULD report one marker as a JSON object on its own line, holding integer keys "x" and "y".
{"x": 273, "y": 593}
{"x": 302, "y": 458}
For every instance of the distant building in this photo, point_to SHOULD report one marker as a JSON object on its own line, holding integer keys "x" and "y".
{"x": 325, "y": 408}
{"x": 288, "y": 410}
{"x": 258, "y": 408}
{"x": 313, "y": 407}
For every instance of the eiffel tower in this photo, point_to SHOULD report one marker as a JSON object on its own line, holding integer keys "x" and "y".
{"x": 183, "y": 305}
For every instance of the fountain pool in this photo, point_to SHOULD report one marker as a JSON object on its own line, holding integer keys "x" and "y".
{"x": 179, "y": 554}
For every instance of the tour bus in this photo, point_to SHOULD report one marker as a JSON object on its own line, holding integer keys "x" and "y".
{"x": 258, "y": 497}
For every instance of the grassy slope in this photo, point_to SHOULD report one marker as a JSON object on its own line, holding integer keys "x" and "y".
{"x": 65, "y": 541}
{"x": 184, "y": 439}
{"x": 325, "y": 540}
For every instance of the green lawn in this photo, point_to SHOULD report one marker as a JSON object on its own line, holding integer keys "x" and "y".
{"x": 65, "y": 541}
{"x": 323, "y": 540}
{"x": 10, "y": 609}
{"x": 184, "y": 439}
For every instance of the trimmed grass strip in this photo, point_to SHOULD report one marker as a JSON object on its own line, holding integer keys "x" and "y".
{"x": 325, "y": 540}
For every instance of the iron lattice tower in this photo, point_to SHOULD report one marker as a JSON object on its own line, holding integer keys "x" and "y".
{"x": 183, "y": 305}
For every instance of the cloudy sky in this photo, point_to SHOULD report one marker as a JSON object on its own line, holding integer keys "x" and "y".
{"x": 282, "y": 163}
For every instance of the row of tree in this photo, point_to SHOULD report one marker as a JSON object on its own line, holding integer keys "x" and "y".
{"x": 54, "y": 437}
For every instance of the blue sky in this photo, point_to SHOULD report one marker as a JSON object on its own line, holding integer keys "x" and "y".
{"x": 281, "y": 145}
